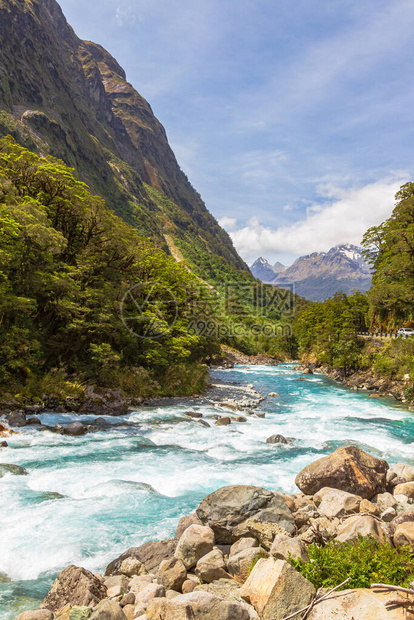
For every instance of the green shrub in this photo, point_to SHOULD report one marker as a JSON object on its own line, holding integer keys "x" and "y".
{"x": 366, "y": 562}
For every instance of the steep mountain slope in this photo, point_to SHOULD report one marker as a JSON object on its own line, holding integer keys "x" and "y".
{"x": 70, "y": 99}
{"x": 320, "y": 275}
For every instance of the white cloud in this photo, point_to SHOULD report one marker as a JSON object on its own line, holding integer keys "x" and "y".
{"x": 229, "y": 223}
{"x": 125, "y": 15}
{"x": 344, "y": 220}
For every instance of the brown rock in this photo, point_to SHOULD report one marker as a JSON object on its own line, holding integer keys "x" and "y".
{"x": 172, "y": 574}
{"x": 184, "y": 523}
{"x": 284, "y": 546}
{"x": 406, "y": 488}
{"x": 129, "y": 611}
{"x": 336, "y": 503}
{"x": 153, "y": 590}
{"x": 404, "y": 517}
{"x": 224, "y": 421}
{"x": 276, "y": 590}
{"x": 188, "y": 586}
{"x": 360, "y": 604}
{"x": 36, "y": 614}
{"x": 150, "y": 554}
{"x": 108, "y": 610}
{"x": 198, "y": 605}
{"x": 196, "y": 541}
{"x": 348, "y": 469}
{"x": 132, "y": 566}
{"x": 75, "y": 429}
{"x": 242, "y": 544}
{"x": 241, "y": 565}
{"x": 228, "y": 510}
{"x": 211, "y": 567}
{"x": 128, "y": 599}
{"x": 369, "y": 507}
{"x": 74, "y": 586}
{"x": 404, "y": 534}
{"x": 360, "y": 525}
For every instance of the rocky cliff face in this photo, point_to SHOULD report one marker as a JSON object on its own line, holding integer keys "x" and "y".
{"x": 318, "y": 276}
{"x": 70, "y": 99}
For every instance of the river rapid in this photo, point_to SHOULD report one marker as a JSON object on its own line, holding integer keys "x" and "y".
{"x": 87, "y": 499}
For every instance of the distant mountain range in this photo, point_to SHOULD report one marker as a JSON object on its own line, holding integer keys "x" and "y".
{"x": 319, "y": 275}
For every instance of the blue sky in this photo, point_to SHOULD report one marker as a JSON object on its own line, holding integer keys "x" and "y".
{"x": 292, "y": 119}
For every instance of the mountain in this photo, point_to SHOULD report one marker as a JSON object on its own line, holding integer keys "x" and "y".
{"x": 69, "y": 98}
{"x": 263, "y": 270}
{"x": 318, "y": 276}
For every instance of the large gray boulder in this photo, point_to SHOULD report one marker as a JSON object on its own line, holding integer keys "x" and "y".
{"x": 150, "y": 554}
{"x": 198, "y": 605}
{"x": 74, "y": 586}
{"x": 228, "y": 510}
{"x": 348, "y": 469}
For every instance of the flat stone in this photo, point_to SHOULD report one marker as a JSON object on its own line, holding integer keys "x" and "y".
{"x": 336, "y": 503}
{"x": 359, "y": 604}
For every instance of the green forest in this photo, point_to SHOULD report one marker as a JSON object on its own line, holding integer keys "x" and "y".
{"x": 327, "y": 332}
{"x": 73, "y": 306}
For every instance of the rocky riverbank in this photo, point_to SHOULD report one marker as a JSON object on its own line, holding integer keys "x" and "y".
{"x": 367, "y": 381}
{"x": 231, "y": 558}
{"x": 235, "y": 398}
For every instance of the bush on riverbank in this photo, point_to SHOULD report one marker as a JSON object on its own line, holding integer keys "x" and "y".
{"x": 366, "y": 562}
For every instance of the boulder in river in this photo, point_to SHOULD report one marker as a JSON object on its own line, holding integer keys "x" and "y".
{"x": 150, "y": 554}
{"x": 4, "y": 444}
{"x": 193, "y": 414}
{"x": 228, "y": 510}
{"x": 75, "y": 429}
{"x": 277, "y": 439}
{"x": 16, "y": 470}
{"x": 74, "y": 586}
{"x": 224, "y": 421}
{"x": 16, "y": 418}
{"x": 33, "y": 420}
{"x": 348, "y": 469}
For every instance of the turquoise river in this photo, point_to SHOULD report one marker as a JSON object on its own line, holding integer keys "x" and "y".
{"x": 87, "y": 499}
